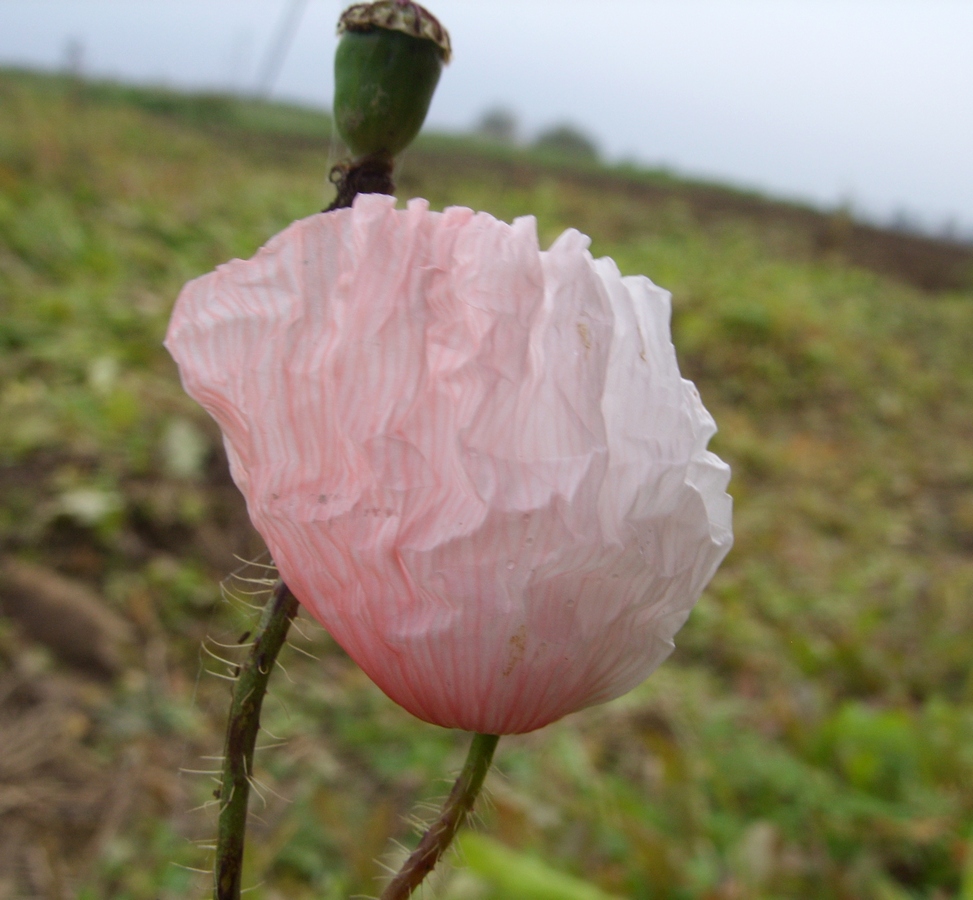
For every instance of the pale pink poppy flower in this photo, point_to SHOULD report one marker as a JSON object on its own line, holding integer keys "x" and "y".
{"x": 474, "y": 462}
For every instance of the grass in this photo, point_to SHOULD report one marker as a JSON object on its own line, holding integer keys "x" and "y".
{"x": 810, "y": 738}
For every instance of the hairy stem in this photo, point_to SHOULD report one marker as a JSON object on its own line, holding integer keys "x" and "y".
{"x": 440, "y": 835}
{"x": 241, "y": 737}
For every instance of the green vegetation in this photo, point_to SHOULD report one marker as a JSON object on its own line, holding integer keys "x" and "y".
{"x": 812, "y": 736}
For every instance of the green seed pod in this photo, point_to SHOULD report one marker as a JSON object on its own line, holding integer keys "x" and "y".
{"x": 386, "y": 69}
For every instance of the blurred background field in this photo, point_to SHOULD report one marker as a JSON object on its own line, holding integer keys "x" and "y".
{"x": 812, "y": 736}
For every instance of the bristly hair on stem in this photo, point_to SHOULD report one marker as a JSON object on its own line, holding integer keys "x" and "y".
{"x": 241, "y": 738}
{"x": 454, "y": 813}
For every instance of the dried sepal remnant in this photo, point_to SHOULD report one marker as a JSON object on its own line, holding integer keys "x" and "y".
{"x": 474, "y": 462}
{"x": 397, "y": 15}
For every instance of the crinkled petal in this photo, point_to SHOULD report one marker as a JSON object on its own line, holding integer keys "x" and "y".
{"x": 476, "y": 463}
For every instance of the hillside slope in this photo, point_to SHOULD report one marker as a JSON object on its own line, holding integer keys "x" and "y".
{"x": 811, "y": 737}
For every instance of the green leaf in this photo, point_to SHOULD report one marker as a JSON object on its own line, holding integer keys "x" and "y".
{"x": 522, "y": 877}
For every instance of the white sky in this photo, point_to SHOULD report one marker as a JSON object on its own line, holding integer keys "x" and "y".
{"x": 866, "y": 102}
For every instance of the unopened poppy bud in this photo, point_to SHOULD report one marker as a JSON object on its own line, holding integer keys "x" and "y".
{"x": 386, "y": 69}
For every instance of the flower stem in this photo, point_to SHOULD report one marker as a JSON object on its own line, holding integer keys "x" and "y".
{"x": 241, "y": 737}
{"x": 369, "y": 175}
{"x": 440, "y": 835}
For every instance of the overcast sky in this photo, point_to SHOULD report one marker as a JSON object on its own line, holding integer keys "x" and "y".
{"x": 860, "y": 102}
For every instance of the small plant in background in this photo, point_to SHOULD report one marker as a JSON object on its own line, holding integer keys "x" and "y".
{"x": 474, "y": 462}
{"x": 499, "y": 125}
{"x": 567, "y": 141}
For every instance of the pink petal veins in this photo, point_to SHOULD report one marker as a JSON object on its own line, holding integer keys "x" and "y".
{"x": 474, "y": 462}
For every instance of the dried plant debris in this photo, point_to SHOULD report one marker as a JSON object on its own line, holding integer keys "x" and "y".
{"x": 56, "y": 796}
{"x": 66, "y": 616}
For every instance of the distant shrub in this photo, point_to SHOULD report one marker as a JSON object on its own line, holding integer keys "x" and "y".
{"x": 567, "y": 140}
{"x": 499, "y": 124}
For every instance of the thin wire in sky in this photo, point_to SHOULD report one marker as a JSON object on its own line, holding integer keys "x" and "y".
{"x": 287, "y": 27}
